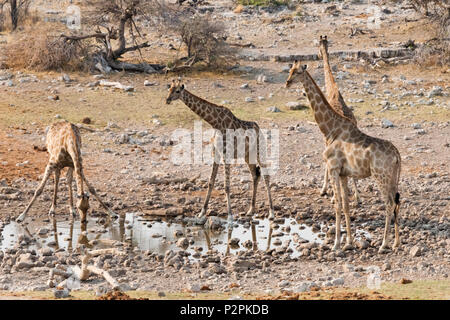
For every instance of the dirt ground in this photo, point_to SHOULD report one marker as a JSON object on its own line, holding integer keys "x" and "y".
{"x": 125, "y": 172}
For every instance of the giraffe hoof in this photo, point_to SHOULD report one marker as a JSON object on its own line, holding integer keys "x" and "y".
{"x": 202, "y": 213}
{"x": 323, "y": 193}
{"x": 383, "y": 249}
{"x": 20, "y": 218}
{"x": 347, "y": 247}
{"x": 336, "y": 247}
{"x": 200, "y": 220}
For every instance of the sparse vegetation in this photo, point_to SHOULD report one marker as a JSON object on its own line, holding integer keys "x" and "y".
{"x": 40, "y": 49}
{"x": 437, "y": 50}
{"x": 204, "y": 38}
{"x": 264, "y": 2}
{"x": 17, "y": 11}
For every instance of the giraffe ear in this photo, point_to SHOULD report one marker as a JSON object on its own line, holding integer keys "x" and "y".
{"x": 168, "y": 86}
{"x": 182, "y": 87}
{"x": 304, "y": 67}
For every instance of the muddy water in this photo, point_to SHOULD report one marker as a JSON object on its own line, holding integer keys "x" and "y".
{"x": 162, "y": 235}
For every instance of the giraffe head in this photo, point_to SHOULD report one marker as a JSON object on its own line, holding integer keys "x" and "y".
{"x": 83, "y": 205}
{"x": 175, "y": 90}
{"x": 297, "y": 70}
{"x": 323, "y": 46}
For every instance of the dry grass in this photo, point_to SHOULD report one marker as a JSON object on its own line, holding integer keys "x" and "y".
{"x": 39, "y": 49}
{"x": 417, "y": 290}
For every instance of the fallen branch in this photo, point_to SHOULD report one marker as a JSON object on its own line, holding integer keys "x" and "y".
{"x": 84, "y": 272}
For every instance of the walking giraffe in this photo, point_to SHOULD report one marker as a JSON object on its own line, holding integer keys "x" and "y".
{"x": 64, "y": 147}
{"x": 351, "y": 153}
{"x": 336, "y": 101}
{"x": 223, "y": 120}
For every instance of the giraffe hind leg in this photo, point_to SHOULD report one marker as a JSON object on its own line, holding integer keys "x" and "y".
{"x": 57, "y": 173}
{"x": 323, "y": 191}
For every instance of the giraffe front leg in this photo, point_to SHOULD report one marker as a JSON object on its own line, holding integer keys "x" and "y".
{"x": 91, "y": 189}
{"x": 37, "y": 193}
{"x": 345, "y": 204}
{"x": 338, "y": 207}
{"x": 212, "y": 180}
{"x": 227, "y": 192}
{"x": 256, "y": 174}
{"x": 69, "y": 179}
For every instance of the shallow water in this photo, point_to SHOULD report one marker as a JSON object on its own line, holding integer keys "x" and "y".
{"x": 159, "y": 235}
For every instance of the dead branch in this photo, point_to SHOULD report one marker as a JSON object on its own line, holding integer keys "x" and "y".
{"x": 84, "y": 272}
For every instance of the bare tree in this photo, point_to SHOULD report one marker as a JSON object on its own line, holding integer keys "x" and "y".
{"x": 204, "y": 38}
{"x": 113, "y": 21}
{"x": 18, "y": 9}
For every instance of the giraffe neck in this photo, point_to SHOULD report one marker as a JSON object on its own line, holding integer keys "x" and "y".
{"x": 330, "y": 84}
{"x": 328, "y": 120}
{"x": 204, "y": 109}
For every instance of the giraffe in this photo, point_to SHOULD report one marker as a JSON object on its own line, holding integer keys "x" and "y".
{"x": 351, "y": 153}
{"x": 223, "y": 120}
{"x": 64, "y": 147}
{"x": 336, "y": 101}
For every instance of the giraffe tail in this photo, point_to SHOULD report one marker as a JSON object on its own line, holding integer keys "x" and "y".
{"x": 258, "y": 171}
{"x": 397, "y": 205}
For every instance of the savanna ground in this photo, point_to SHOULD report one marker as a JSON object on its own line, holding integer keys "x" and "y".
{"x": 122, "y": 171}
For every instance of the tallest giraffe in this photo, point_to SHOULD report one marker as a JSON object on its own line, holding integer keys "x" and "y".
{"x": 336, "y": 101}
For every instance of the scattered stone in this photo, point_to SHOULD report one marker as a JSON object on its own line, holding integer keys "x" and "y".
{"x": 405, "y": 281}
{"x": 61, "y": 293}
{"x": 385, "y": 123}
{"x": 273, "y": 109}
{"x": 415, "y": 251}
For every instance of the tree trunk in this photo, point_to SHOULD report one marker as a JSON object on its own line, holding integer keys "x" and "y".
{"x": 14, "y": 14}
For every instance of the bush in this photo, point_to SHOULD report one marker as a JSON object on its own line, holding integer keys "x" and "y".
{"x": 435, "y": 51}
{"x": 204, "y": 40}
{"x": 42, "y": 51}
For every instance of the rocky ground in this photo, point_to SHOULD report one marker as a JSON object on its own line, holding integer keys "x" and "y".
{"x": 127, "y": 149}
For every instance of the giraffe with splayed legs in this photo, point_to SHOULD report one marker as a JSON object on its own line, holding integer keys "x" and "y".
{"x": 222, "y": 119}
{"x": 64, "y": 147}
{"x": 351, "y": 153}
{"x": 336, "y": 101}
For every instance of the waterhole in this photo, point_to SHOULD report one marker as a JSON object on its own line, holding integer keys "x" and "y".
{"x": 160, "y": 235}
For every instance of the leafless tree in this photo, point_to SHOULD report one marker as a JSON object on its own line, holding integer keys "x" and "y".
{"x": 113, "y": 21}
{"x": 18, "y": 10}
{"x": 204, "y": 38}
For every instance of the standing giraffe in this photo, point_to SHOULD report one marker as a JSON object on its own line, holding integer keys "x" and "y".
{"x": 351, "y": 153}
{"x": 222, "y": 119}
{"x": 336, "y": 101}
{"x": 64, "y": 147}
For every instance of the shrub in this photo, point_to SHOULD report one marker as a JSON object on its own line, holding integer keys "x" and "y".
{"x": 43, "y": 52}
{"x": 436, "y": 50}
